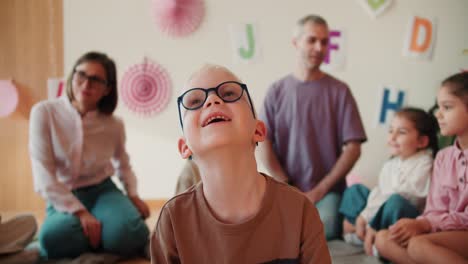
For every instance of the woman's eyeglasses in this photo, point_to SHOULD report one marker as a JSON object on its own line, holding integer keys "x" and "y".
{"x": 94, "y": 81}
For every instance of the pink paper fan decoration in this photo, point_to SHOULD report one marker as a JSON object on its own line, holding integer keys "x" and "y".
{"x": 178, "y": 18}
{"x": 8, "y": 98}
{"x": 145, "y": 88}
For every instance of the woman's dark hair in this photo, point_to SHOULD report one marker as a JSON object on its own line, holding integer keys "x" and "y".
{"x": 425, "y": 123}
{"x": 108, "y": 103}
{"x": 458, "y": 85}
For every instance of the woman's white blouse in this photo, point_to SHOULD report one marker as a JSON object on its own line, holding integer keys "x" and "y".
{"x": 69, "y": 151}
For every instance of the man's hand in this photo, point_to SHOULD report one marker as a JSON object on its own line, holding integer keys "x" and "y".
{"x": 316, "y": 194}
{"x": 141, "y": 206}
{"x": 406, "y": 228}
{"x": 91, "y": 227}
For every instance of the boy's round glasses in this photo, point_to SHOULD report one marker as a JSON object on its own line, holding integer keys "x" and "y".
{"x": 229, "y": 92}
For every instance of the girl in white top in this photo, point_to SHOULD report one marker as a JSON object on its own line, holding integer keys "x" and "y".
{"x": 76, "y": 145}
{"x": 403, "y": 181}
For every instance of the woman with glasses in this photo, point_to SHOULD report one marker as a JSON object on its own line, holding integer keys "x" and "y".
{"x": 76, "y": 145}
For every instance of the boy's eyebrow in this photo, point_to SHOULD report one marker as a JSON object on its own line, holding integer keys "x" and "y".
{"x": 446, "y": 101}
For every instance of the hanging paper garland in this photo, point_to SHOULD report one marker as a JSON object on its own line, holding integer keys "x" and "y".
{"x": 178, "y": 18}
{"x": 145, "y": 88}
{"x": 8, "y": 98}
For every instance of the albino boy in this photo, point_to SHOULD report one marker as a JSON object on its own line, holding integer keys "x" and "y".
{"x": 236, "y": 214}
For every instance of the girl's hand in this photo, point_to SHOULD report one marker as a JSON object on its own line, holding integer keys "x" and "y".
{"x": 361, "y": 225}
{"x": 406, "y": 228}
{"x": 141, "y": 206}
{"x": 91, "y": 227}
{"x": 369, "y": 240}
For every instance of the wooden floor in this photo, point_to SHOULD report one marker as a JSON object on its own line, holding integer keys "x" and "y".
{"x": 155, "y": 207}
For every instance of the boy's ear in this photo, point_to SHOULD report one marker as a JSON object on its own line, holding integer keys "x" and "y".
{"x": 423, "y": 142}
{"x": 184, "y": 149}
{"x": 260, "y": 131}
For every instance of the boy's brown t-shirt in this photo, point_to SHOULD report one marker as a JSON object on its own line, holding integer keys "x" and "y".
{"x": 287, "y": 229}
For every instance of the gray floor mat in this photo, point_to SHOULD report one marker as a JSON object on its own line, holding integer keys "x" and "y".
{"x": 344, "y": 253}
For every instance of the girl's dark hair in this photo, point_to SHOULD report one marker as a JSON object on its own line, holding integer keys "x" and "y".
{"x": 425, "y": 123}
{"x": 458, "y": 85}
{"x": 108, "y": 103}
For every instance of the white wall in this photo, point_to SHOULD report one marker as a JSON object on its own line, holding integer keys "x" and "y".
{"x": 124, "y": 29}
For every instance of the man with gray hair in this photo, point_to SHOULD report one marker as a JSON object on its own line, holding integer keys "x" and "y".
{"x": 314, "y": 130}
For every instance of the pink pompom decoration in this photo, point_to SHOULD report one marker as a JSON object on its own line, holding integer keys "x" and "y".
{"x": 178, "y": 18}
{"x": 8, "y": 98}
{"x": 145, "y": 88}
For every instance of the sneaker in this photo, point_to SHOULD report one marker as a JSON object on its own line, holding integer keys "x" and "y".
{"x": 353, "y": 239}
{"x": 375, "y": 252}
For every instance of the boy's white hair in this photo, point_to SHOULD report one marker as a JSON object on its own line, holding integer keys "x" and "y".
{"x": 209, "y": 67}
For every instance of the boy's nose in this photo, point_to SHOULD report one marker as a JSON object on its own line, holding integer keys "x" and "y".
{"x": 212, "y": 99}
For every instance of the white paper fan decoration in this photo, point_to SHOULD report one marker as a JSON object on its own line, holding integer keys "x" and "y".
{"x": 178, "y": 18}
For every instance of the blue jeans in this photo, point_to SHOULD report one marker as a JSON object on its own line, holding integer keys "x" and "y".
{"x": 123, "y": 231}
{"x": 331, "y": 219}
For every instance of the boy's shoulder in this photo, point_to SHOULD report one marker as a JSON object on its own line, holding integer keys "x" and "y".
{"x": 285, "y": 193}
{"x": 184, "y": 200}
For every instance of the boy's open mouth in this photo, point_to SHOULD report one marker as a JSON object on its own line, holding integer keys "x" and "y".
{"x": 215, "y": 119}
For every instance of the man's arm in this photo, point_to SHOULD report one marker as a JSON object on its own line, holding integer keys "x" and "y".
{"x": 346, "y": 161}
{"x": 269, "y": 159}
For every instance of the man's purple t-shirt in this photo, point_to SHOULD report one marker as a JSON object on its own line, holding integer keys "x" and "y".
{"x": 308, "y": 122}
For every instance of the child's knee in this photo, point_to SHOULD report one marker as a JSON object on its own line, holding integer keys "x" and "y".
{"x": 395, "y": 200}
{"x": 417, "y": 247}
{"x": 381, "y": 241}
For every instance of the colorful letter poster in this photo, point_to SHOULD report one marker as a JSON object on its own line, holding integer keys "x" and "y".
{"x": 375, "y": 7}
{"x": 420, "y": 39}
{"x": 390, "y": 101}
{"x": 336, "y": 54}
{"x": 55, "y": 88}
{"x": 245, "y": 44}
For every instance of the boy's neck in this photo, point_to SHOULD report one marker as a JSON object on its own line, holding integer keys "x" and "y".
{"x": 232, "y": 186}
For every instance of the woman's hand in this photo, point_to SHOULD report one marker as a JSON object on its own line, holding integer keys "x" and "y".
{"x": 91, "y": 227}
{"x": 141, "y": 206}
{"x": 361, "y": 225}
{"x": 406, "y": 228}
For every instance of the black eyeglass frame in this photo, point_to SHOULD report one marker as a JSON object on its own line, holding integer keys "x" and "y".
{"x": 91, "y": 78}
{"x": 215, "y": 89}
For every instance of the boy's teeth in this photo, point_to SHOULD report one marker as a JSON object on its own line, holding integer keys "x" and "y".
{"x": 215, "y": 117}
